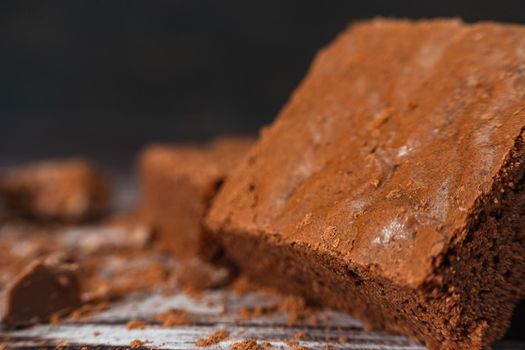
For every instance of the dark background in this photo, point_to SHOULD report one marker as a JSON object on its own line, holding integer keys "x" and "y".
{"x": 104, "y": 77}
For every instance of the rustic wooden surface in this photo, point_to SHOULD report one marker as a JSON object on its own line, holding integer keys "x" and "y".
{"x": 210, "y": 311}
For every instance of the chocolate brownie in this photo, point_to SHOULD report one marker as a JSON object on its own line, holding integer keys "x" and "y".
{"x": 46, "y": 287}
{"x": 391, "y": 184}
{"x": 178, "y": 183}
{"x": 67, "y": 190}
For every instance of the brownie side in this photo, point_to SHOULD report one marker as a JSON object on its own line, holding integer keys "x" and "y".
{"x": 171, "y": 200}
{"x": 466, "y": 305}
{"x": 178, "y": 183}
{"x": 483, "y": 270}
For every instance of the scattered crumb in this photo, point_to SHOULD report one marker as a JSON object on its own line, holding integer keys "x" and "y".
{"x": 247, "y": 313}
{"x": 297, "y": 310}
{"x": 291, "y": 343}
{"x": 214, "y": 338}
{"x": 88, "y": 309}
{"x": 294, "y": 345}
{"x": 55, "y": 319}
{"x": 247, "y": 344}
{"x": 136, "y": 344}
{"x": 173, "y": 318}
{"x": 196, "y": 276}
{"x": 95, "y": 334}
{"x": 342, "y": 339}
{"x": 294, "y": 306}
{"x": 136, "y": 324}
{"x": 242, "y": 285}
{"x": 300, "y": 335}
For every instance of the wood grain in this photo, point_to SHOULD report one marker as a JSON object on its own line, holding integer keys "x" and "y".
{"x": 211, "y": 311}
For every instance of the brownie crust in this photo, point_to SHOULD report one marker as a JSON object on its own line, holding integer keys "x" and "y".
{"x": 391, "y": 184}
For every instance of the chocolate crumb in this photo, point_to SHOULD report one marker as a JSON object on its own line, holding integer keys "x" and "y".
{"x": 88, "y": 309}
{"x": 55, "y": 319}
{"x": 54, "y": 280}
{"x": 242, "y": 285}
{"x": 136, "y": 324}
{"x": 247, "y": 344}
{"x": 291, "y": 343}
{"x": 214, "y": 338}
{"x": 173, "y": 318}
{"x": 196, "y": 276}
{"x": 248, "y": 313}
{"x": 136, "y": 344}
{"x": 300, "y": 335}
{"x": 297, "y": 310}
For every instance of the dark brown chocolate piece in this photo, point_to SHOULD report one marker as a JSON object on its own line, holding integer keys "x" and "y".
{"x": 69, "y": 190}
{"x": 178, "y": 183}
{"x": 391, "y": 184}
{"x": 45, "y": 288}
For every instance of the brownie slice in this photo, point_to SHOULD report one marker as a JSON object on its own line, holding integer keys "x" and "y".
{"x": 66, "y": 190}
{"x": 178, "y": 183}
{"x": 391, "y": 184}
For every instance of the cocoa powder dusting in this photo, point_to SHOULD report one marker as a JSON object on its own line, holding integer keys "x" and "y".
{"x": 88, "y": 309}
{"x": 295, "y": 307}
{"x": 300, "y": 335}
{"x": 247, "y": 344}
{"x": 214, "y": 338}
{"x": 173, "y": 318}
{"x": 136, "y": 324}
{"x": 136, "y": 344}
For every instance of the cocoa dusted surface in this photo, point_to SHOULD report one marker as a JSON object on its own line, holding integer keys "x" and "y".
{"x": 178, "y": 183}
{"x": 399, "y": 155}
{"x": 63, "y": 189}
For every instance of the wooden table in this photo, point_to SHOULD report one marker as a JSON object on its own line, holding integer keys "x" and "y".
{"x": 210, "y": 311}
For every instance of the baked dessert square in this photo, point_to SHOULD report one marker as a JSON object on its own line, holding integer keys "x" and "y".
{"x": 178, "y": 183}
{"x": 68, "y": 190}
{"x": 391, "y": 183}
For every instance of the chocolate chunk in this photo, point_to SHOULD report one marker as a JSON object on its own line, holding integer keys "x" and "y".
{"x": 69, "y": 190}
{"x": 45, "y": 288}
{"x": 392, "y": 183}
{"x": 178, "y": 183}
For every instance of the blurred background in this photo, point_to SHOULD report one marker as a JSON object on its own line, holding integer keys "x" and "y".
{"x": 104, "y": 77}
